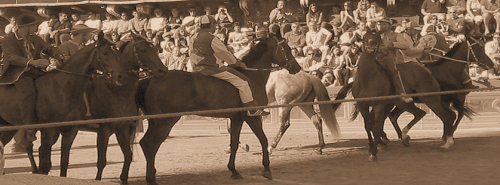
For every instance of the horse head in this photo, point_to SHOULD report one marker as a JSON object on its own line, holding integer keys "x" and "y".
{"x": 271, "y": 50}
{"x": 97, "y": 60}
{"x": 141, "y": 54}
{"x": 476, "y": 53}
{"x": 371, "y": 42}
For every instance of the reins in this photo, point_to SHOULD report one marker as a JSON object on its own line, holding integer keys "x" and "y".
{"x": 469, "y": 50}
{"x": 96, "y": 74}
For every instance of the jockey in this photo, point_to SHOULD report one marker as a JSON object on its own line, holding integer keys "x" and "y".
{"x": 23, "y": 62}
{"x": 80, "y": 34}
{"x": 392, "y": 43}
{"x": 205, "y": 49}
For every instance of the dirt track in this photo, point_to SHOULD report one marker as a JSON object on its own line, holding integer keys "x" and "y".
{"x": 196, "y": 156}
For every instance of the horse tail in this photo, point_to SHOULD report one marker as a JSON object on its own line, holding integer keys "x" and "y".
{"x": 355, "y": 113}
{"x": 342, "y": 94}
{"x": 326, "y": 110}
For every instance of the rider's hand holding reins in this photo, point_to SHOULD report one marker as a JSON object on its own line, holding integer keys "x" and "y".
{"x": 238, "y": 64}
{"x": 39, "y": 63}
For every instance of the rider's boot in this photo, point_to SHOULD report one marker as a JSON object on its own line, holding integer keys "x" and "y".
{"x": 257, "y": 112}
{"x": 26, "y": 88}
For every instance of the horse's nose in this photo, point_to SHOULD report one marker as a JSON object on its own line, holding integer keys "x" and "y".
{"x": 121, "y": 79}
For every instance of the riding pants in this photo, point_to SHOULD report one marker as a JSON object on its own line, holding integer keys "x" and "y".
{"x": 238, "y": 80}
{"x": 389, "y": 64}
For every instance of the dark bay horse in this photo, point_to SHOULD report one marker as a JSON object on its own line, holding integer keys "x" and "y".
{"x": 181, "y": 91}
{"x": 372, "y": 81}
{"x": 446, "y": 71}
{"x": 107, "y": 100}
{"x": 60, "y": 94}
{"x": 284, "y": 88}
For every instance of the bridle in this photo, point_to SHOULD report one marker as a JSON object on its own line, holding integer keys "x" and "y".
{"x": 95, "y": 73}
{"x": 143, "y": 71}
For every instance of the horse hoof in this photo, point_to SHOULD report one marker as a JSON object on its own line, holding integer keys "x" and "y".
{"x": 406, "y": 141}
{"x": 236, "y": 176}
{"x": 245, "y": 147}
{"x": 267, "y": 175}
{"x": 319, "y": 152}
{"x": 372, "y": 158}
{"x": 446, "y": 148}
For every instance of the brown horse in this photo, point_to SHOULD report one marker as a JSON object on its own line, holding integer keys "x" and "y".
{"x": 284, "y": 88}
{"x": 181, "y": 91}
{"x": 372, "y": 81}
{"x": 446, "y": 71}
{"x": 60, "y": 94}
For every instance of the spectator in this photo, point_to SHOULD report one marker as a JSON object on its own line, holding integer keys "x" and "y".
{"x": 327, "y": 78}
{"x": 280, "y": 16}
{"x": 237, "y": 39}
{"x": 347, "y": 16}
{"x": 492, "y": 49}
{"x": 175, "y": 60}
{"x": 332, "y": 55}
{"x": 138, "y": 23}
{"x": 458, "y": 5}
{"x": 317, "y": 74}
{"x": 75, "y": 19}
{"x": 180, "y": 33}
{"x": 220, "y": 33}
{"x": 108, "y": 25}
{"x": 314, "y": 15}
{"x": 45, "y": 28}
{"x": 490, "y": 9}
{"x": 433, "y": 7}
{"x": 431, "y": 26}
{"x": 61, "y": 29}
{"x": 93, "y": 21}
{"x": 183, "y": 46}
{"x": 335, "y": 20}
{"x": 473, "y": 16}
{"x": 191, "y": 21}
{"x": 317, "y": 39}
{"x": 223, "y": 18}
{"x": 157, "y": 23}
{"x": 123, "y": 25}
{"x": 310, "y": 61}
{"x": 175, "y": 20}
{"x": 295, "y": 38}
{"x": 9, "y": 28}
{"x": 167, "y": 44}
{"x": 208, "y": 11}
{"x": 456, "y": 25}
{"x": 374, "y": 14}
{"x": 361, "y": 12}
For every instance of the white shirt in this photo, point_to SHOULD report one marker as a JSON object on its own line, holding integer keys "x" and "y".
{"x": 44, "y": 28}
{"x": 93, "y": 24}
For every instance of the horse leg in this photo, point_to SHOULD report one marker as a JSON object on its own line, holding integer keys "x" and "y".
{"x": 459, "y": 104}
{"x": 383, "y": 140}
{"x": 380, "y": 112}
{"x": 418, "y": 115}
{"x": 103, "y": 135}
{"x": 255, "y": 124}
{"x": 318, "y": 123}
{"x": 236, "y": 124}
{"x": 368, "y": 119}
{"x": 447, "y": 116}
{"x": 67, "y": 141}
{"x": 393, "y": 116}
{"x": 158, "y": 131}
{"x": 125, "y": 140}
{"x": 48, "y": 138}
{"x": 284, "y": 119}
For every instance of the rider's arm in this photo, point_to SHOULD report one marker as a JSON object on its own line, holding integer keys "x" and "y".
{"x": 402, "y": 41}
{"x": 221, "y": 52}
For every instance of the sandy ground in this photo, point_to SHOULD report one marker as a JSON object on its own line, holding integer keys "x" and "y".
{"x": 194, "y": 154}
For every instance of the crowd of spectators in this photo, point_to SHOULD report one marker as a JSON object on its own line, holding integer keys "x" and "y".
{"x": 327, "y": 45}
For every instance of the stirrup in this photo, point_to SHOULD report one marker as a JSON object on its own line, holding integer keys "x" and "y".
{"x": 259, "y": 112}
{"x": 407, "y": 99}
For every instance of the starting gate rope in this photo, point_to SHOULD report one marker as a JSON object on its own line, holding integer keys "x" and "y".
{"x": 208, "y": 112}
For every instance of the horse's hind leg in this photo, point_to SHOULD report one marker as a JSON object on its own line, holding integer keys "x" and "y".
{"x": 318, "y": 123}
{"x": 447, "y": 116}
{"x": 393, "y": 116}
{"x": 158, "y": 131}
{"x": 236, "y": 124}
{"x": 368, "y": 120}
{"x": 125, "y": 140}
{"x": 255, "y": 124}
{"x": 67, "y": 141}
{"x": 103, "y": 135}
{"x": 284, "y": 119}
{"x": 418, "y": 115}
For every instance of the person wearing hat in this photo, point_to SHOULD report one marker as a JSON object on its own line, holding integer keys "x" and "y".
{"x": 22, "y": 64}
{"x": 393, "y": 46}
{"x": 79, "y": 36}
{"x": 205, "y": 49}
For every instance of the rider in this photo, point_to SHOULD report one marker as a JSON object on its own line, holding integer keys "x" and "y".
{"x": 80, "y": 34}
{"x": 205, "y": 49}
{"x": 392, "y": 43}
{"x": 22, "y": 64}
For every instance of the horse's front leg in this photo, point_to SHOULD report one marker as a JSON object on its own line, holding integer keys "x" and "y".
{"x": 103, "y": 135}
{"x": 284, "y": 119}
{"x": 48, "y": 138}
{"x": 125, "y": 138}
{"x": 236, "y": 124}
{"x": 67, "y": 141}
{"x": 255, "y": 124}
